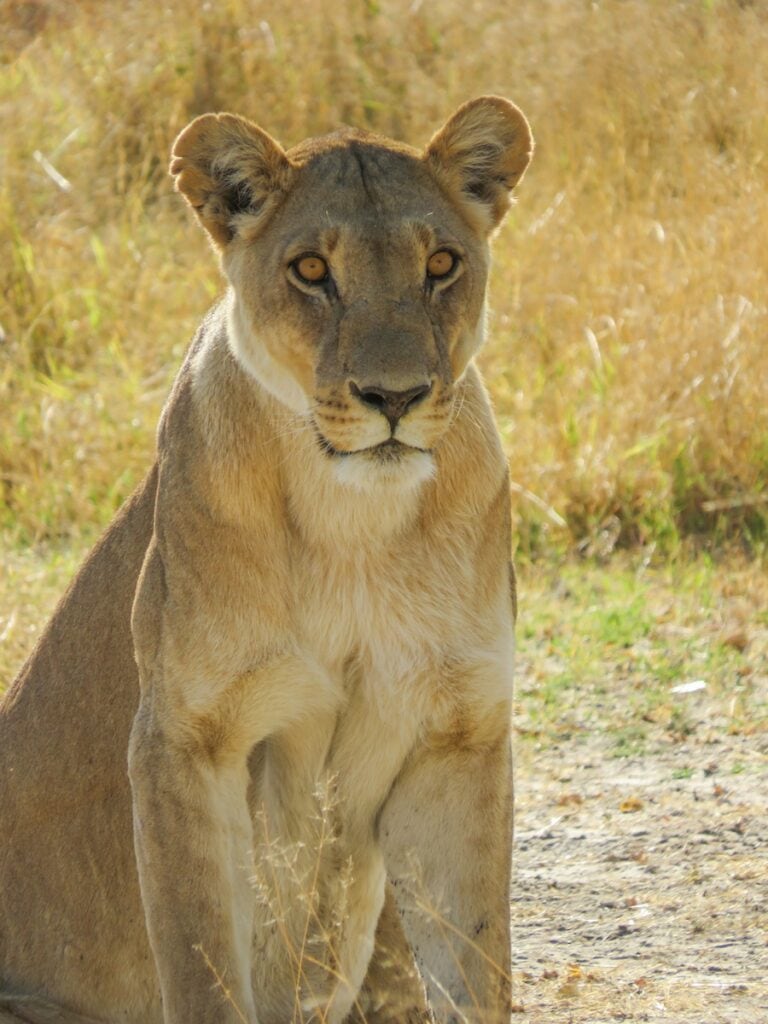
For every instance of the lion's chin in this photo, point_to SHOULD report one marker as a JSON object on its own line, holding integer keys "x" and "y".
{"x": 385, "y": 467}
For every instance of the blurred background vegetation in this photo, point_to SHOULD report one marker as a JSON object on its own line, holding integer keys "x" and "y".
{"x": 627, "y": 359}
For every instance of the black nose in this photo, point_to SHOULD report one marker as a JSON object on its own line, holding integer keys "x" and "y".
{"x": 392, "y": 404}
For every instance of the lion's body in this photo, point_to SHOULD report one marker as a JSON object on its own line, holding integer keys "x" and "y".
{"x": 284, "y": 674}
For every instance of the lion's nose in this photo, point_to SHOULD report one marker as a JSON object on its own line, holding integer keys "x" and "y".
{"x": 392, "y": 404}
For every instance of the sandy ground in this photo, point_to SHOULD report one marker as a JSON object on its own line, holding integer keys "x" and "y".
{"x": 641, "y": 885}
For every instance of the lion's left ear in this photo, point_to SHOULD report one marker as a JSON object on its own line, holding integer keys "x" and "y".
{"x": 480, "y": 154}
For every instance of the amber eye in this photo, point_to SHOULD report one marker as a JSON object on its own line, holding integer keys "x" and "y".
{"x": 441, "y": 263}
{"x": 312, "y": 269}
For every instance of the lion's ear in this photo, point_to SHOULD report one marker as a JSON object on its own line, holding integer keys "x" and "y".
{"x": 228, "y": 170}
{"x": 480, "y": 154}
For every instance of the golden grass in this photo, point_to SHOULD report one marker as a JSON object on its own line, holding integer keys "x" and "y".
{"x": 627, "y": 360}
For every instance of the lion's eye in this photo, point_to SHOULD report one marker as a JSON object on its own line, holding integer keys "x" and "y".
{"x": 311, "y": 269}
{"x": 441, "y": 263}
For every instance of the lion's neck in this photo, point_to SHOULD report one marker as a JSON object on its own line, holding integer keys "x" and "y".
{"x": 345, "y": 512}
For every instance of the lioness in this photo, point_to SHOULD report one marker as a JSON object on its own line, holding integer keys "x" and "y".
{"x": 283, "y": 677}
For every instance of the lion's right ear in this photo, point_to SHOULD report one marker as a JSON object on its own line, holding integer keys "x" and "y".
{"x": 228, "y": 169}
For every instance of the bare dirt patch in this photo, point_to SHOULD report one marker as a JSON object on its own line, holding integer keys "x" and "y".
{"x": 641, "y": 859}
{"x": 641, "y": 891}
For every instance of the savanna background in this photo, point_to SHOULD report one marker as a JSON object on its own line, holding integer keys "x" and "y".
{"x": 628, "y": 364}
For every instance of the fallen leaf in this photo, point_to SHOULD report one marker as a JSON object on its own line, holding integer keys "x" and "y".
{"x": 570, "y": 800}
{"x": 631, "y": 804}
{"x": 569, "y": 990}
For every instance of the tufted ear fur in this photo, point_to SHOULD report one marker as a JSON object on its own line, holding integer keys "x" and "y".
{"x": 230, "y": 172}
{"x": 480, "y": 154}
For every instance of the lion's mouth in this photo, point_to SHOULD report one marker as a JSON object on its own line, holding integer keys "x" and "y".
{"x": 390, "y": 450}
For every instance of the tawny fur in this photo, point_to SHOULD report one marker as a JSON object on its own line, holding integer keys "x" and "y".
{"x": 257, "y": 766}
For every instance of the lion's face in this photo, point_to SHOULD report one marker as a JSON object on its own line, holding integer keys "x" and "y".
{"x": 366, "y": 291}
{"x": 359, "y": 271}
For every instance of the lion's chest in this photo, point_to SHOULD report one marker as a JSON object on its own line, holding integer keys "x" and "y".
{"x": 391, "y": 618}
{"x": 401, "y": 639}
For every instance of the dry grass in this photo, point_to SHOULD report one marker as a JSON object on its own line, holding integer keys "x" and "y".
{"x": 628, "y": 361}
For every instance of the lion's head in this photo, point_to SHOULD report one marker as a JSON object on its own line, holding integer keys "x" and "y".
{"x": 358, "y": 267}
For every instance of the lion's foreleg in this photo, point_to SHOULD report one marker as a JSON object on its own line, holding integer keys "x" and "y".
{"x": 448, "y": 832}
{"x": 193, "y": 840}
{"x": 359, "y": 891}
{"x": 211, "y": 690}
{"x": 368, "y": 753}
{"x": 393, "y": 992}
